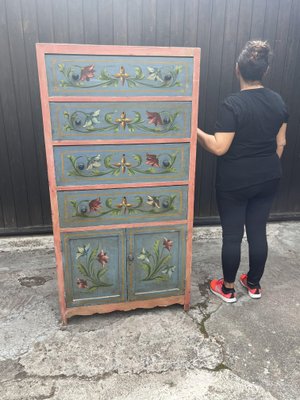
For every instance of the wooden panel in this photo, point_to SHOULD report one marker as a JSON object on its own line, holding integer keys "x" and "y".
{"x": 30, "y": 32}
{"x": 121, "y": 164}
{"x": 149, "y": 23}
{"x": 105, "y": 16}
{"x": 94, "y": 267}
{"x": 91, "y": 75}
{"x": 85, "y": 121}
{"x": 116, "y": 206}
{"x": 135, "y": 22}
{"x": 90, "y": 21}
{"x": 156, "y": 260}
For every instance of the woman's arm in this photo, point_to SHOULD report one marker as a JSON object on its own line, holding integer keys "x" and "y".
{"x": 218, "y": 143}
{"x": 281, "y": 139}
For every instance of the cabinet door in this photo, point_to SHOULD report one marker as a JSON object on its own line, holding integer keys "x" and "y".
{"x": 86, "y": 165}
{"x": 125, "y": 120}
{"x": 94, "y": 75}
{"x": 94, "y": 267}
{"x": 156, "y": 262}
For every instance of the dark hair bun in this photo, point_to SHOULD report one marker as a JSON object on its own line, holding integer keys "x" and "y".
{"x": 253, "y": 61}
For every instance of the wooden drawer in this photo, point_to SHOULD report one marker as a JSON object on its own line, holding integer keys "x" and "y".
{"x": 78, "y": 165}
{"x": 97, "y": 75}
{"x": 117, "y": 206}
{"x": 94, "y": 267}
{"x": 128, "y": 120}
{"x": 156, "y": 262}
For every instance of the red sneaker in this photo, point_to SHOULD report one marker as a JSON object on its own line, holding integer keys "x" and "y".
{"x": 216, "y": 288}
{"x": 254, "y": 293}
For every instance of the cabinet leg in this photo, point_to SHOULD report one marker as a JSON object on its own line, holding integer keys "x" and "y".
{"x": 186, "y": 307}
{"x": 64, "y": 320}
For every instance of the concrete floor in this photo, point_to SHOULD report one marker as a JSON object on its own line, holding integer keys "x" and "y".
{"x": 216, "y": 351}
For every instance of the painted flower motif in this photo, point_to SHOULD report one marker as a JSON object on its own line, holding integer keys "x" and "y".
{"x": 91, "y": 119}
{"x": 168, "y": 270}
{"x": 144, "y": 255}
{"x": 123, "y": 120}
{"x": 124, "y": 204}
{"x": 154, "y": 118}
{"x": 154, "y": 74}
{"x": 124, "y": 164}
{"x": 122, "y": 75}
{"x": 82, "y": 283}
{"x": 82, "y": 251}
{"x": 95, "y": 204}
{"x": 102, "y": 258}
{"x": 167, "y": 244}
{"x": 153, "y": 201}
{"x": 152, "y": 160}
{"x": 93, "y": 162}
{"x": 87, "y": 73}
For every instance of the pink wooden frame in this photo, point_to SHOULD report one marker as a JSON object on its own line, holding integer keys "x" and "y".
{"x": 45, "y": 48}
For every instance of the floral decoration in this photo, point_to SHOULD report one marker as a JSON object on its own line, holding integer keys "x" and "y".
{"x": 91, "y": 166}
{"x": 93, "y": 208}
{"x": 91, "y": 263}
{"x": 84, "y": 122}
{"x": 87, "y": 77}
{"x": 156, "y": 263}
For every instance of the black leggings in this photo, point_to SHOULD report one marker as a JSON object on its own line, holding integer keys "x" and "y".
{"x": 249, "y": 206}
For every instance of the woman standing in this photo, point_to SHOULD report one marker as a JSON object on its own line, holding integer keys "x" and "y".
{"x": 249, "y": 141}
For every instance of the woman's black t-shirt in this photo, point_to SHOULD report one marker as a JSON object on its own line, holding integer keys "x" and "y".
{"x": 255, "y": 115}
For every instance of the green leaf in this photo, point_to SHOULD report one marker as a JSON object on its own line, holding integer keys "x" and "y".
{"x": 146, "y": 268}
{"x": 66, "y": 114}
{"x": 108, "y": 118}
{"x": 93, "y": 254}
{"x": 139, "y": 73}
{"x": 156, "y": 248}
{"x": 178, "y": 69}
{"x": 116, "y": 172}
{"x": 108, "y": 202}
{"x": 161, "y": 278}
{"x": 107, "y": 161}
{"x": 82, "y": 270}
{"x": 138, "y": 158}
{"x": 61, "y": 67}
{"x": 165, "y": 260}
{"x": 101, "y": 272}
{"x": 92, "y": 288}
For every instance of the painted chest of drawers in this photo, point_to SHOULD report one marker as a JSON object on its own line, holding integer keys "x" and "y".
{"x": 120, "y": 135}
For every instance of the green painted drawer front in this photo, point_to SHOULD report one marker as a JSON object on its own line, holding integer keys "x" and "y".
{"x": 78, "y": 165}
{"x": 88, "y": 121}
{"x": 94, "y": 267}
{"x": 156, "y": 262}
{"x": 116, "y": 206}
{"x": 72, "y": 75}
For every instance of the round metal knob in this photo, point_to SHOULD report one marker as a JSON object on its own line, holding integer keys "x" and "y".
{"x": 130, "y": 257}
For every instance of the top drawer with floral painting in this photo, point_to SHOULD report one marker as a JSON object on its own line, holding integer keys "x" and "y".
{"x": 98, "y": 75}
